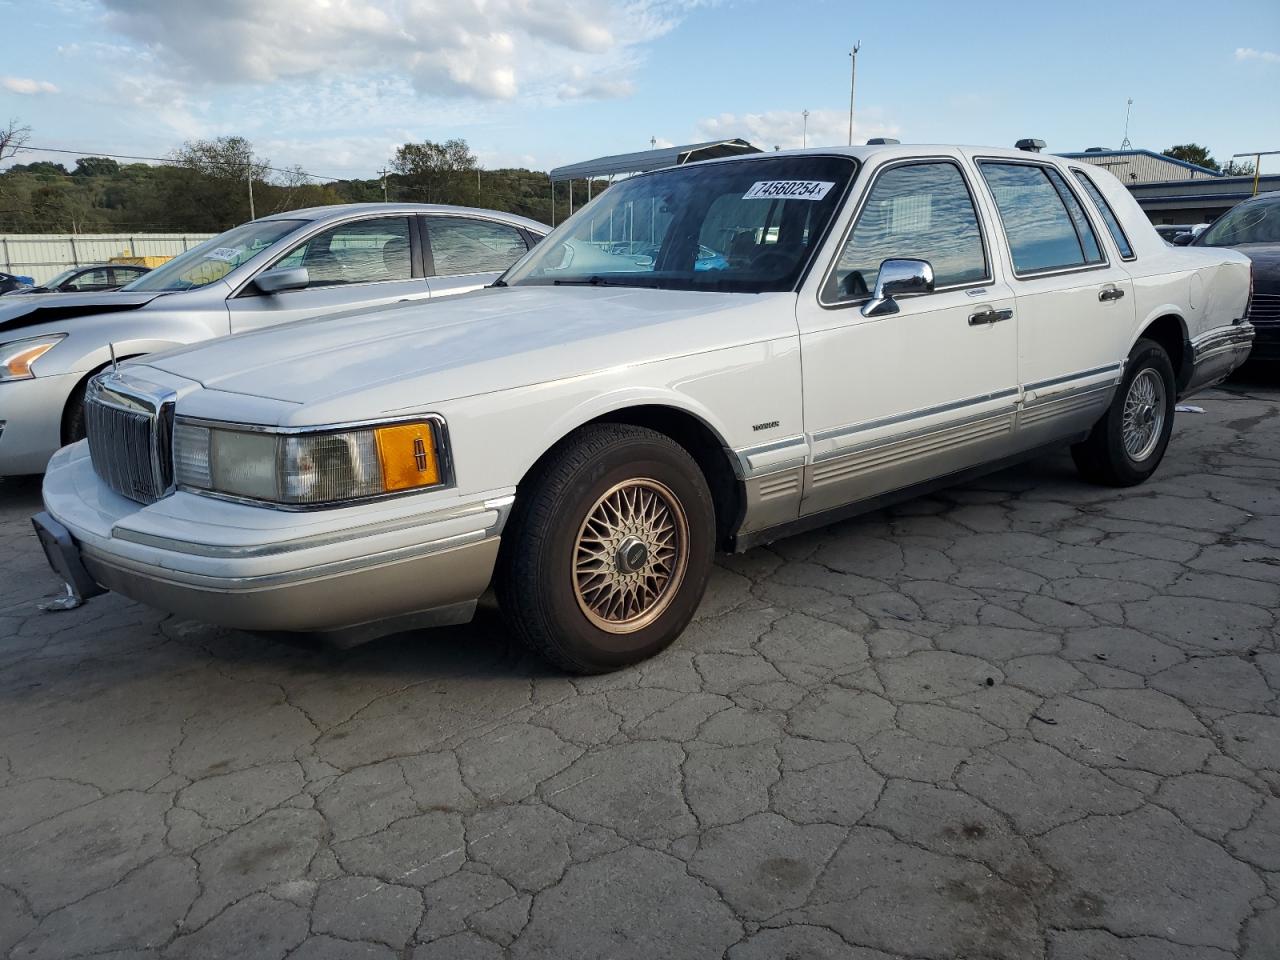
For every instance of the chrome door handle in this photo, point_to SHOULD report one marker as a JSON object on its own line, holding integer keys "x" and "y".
{"x": 983, "y": 317}
{"x": 1110, "y": 293}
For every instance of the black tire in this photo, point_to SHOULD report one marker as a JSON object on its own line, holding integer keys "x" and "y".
{"x": 536, "y": 581}
{"x": 1102, "y": 457}
{"x": 73, "y": 415}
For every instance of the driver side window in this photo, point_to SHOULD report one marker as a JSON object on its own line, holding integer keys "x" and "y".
{"x": 921, "y": 211}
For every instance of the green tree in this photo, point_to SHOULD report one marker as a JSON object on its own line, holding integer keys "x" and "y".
{"x": 1192, "y": 153}
{"x": 40, "y": 168}
{"x": 213, "y": 191}
{"x": 432, "y": 172}
{"x": 95, "y": 167}
{"x": 1239, "y": 168}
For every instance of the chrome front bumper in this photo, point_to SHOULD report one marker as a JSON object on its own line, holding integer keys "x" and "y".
{"x": 1216, "y": 354}
{"x": 358, "y": 571}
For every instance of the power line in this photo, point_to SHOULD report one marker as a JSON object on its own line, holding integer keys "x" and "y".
{"x": 224, "y": 163}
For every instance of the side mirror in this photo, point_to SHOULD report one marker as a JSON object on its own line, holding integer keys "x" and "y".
{"x": 898, "y": 278}
{"x": 1183, "y": 239}
{"x": 276, "y": 281}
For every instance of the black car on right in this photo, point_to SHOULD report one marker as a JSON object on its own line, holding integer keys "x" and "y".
{"x": 1253, "y": 228}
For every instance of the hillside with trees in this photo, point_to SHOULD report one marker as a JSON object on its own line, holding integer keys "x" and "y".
{"x": 204, "y": 187}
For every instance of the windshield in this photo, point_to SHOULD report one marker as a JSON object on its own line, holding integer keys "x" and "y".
{"x": 215, "y": 258}
{"x": 745, "y": 225}
{"x": 1257, "y": 222}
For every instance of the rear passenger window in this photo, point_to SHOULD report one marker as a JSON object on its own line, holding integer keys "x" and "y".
{"x": 461, "y": 246}
{"x": 1108, "y": 215}
{"x": 1043, "y": 222}
{"x": 920, "y": 211}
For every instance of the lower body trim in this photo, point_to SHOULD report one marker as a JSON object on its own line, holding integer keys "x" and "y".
{"x": 1216, "y": 354}
{"x": 745, "y": 541}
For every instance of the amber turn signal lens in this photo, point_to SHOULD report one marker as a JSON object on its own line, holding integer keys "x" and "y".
{"x": 407, "y": 453}
{"x": 16, "y": 358}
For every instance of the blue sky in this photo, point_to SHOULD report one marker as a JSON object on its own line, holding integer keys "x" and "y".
{"x": 334, "y": 85}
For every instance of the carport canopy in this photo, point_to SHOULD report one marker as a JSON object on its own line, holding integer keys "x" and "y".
{"x": 643, "y": 160}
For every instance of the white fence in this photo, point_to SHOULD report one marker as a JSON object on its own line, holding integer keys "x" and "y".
{"x": 44, "y": 255}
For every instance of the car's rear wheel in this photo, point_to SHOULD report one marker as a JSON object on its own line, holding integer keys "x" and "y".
{"x": 608, "y": 551}
{"x": 1128, "y": 442}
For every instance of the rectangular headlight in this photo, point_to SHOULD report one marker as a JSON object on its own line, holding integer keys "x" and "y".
{"x": 308, "y": 469}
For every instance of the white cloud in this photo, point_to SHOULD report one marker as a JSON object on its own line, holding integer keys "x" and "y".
{"x": 786, "y": 128}
{"x": 26, "y": 86}
{"x": 486, "y": 49}
{"x": 1248, "y": 53}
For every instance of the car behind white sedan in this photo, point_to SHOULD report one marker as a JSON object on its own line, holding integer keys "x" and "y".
{"x": 301, "y": 263}
{"x": 879, "y": 321}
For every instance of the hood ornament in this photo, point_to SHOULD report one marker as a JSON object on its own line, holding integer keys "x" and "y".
{"x": 114, "y": 366}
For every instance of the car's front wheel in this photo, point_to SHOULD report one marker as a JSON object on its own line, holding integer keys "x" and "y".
{"x": 1127, "y": 444}
{"x": 609, "y": 549}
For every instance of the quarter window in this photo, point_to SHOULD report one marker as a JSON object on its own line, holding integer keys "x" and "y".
{"x": 363, "y": 251}
{"x": 1043, "y": 222}
{"x": 920, "y": 211}
{"x": 461, "y": 246}
{"x": 1108, "y": 215}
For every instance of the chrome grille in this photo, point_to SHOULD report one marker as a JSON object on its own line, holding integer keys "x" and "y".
{"x": 129, "y": 432}
{"x": 1264, "y": 310}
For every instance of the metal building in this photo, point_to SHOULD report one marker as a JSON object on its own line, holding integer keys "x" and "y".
{"x": 1143, "y": 166}
{"x": 1174, "y": 191}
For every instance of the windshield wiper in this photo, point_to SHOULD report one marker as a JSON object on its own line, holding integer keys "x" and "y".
{"x": 591, "y": 281}
{"x": 498, "y": 283}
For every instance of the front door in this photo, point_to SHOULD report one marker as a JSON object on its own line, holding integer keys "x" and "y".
{"x": 891, "y": 401}
{"x": 1075, "y": 308}
{"x": 370, "y": 262}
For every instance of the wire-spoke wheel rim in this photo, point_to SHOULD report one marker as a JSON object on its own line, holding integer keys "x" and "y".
{"x": 1144, "y": 414}
{"x": 630, "y": 555}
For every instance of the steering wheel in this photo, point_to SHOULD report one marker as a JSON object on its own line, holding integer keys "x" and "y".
{"x": 771, "y": 263}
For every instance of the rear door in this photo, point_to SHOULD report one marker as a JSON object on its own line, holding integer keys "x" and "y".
{"x": 368, "y": 262}
{"x": 1074, "y": 305}
{"x": 467, "y": 253}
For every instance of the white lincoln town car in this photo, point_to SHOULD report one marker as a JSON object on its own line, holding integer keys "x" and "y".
{"x": 706, "y": 357}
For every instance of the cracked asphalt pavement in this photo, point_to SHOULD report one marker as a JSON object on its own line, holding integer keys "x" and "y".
{"x": 1024, "y": 718}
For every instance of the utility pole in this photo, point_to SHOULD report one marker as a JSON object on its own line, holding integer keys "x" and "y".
{"x": 383, "y": 171}
{"x": 853, "y": 78}
{"x": 249, "y": 166}
{"x": 1125, "y": 144}
{"x": 804, "y": 137}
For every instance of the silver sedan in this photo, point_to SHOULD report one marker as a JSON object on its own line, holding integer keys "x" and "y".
{"x": 299, "y": 264}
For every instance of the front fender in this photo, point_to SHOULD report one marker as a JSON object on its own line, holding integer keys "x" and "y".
{"x": 623, "y": 398}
